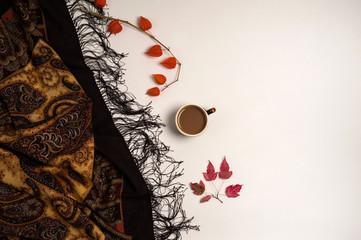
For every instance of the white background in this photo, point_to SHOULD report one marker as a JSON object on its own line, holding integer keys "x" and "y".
{"x": 285, "y": 77}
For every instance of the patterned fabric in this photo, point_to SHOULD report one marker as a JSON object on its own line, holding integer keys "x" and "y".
{"x": 53, "y": 183}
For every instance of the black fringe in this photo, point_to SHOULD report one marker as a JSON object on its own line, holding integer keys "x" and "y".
{"x": 138, "y": 126}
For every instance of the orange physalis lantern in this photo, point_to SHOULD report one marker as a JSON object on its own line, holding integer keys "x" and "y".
{"x": 145, "y": 24}
{"x": 100, "y": 3}
{"x": 169, "y": 62}
{"x": 115, "y": 27}
{"x": 155, "y": 51}
{"x": 153, "y": 91}
{"x": 160, "y": 78}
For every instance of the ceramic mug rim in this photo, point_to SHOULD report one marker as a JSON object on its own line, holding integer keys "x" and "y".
{"x": 176, "y": 119}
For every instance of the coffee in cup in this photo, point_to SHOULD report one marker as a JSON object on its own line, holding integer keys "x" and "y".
{"x": 192, "y": 120}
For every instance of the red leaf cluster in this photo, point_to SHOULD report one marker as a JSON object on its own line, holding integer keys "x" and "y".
{"x": 231, "y": 191}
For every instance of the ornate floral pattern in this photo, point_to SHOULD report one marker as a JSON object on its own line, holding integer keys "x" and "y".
{"x": 19, "y": 29}
{"x": 104, "y": 198}
{"x": 21, "y": 98}
{"x": 45, "y": 228}
{"x": 48, "y": 189}
{"x": 8, "y": 193}
{"x": 21, "y": 211}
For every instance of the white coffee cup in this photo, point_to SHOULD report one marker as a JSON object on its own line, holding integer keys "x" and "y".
{"x": 192, "y": 120}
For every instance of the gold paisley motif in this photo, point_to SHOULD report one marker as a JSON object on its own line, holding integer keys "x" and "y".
{"x": 81, "y": 155}
{"x": 48, "y": 76}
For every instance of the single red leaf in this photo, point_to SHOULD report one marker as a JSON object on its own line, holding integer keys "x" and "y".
{"x": 224, "y": 165}
{"x": 145, "y": 24}
{"x": 210, "y": 175}
{"x": 206, "y": 198}
{"x": 155, "y": 51}
{"x": 153, "y": 91}
{"x": 233, "y": 190}
{"x": 100, "y": 3}
{"x": 224, "y": 172}
{"x": 198, "y": 188}
{"x": 160, "y": 78}
{"x": 225, "y": 175}
{"x": 169, "y": 62}
{"x": 115, "y": 27}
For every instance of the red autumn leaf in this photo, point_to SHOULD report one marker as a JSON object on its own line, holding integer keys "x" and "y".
{"x": 224, "y": 172}
{"x": 160, "y": 78}
{"x": 206, "y": 198}
{"x": 169, "y": 62}
{"x": 210, "y": 175}
{"x": 100, "y": 3}
{"x": 115, "y": 27}
{"x": 153, "y": 91}
{"x": 198, "y": 188}
{"x": 145, "y": 24}
{"x": 232, "y": 190}
{"x": 155, "y": 51}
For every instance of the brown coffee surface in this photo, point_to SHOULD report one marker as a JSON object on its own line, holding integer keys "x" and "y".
{"x": 192, "y": 120}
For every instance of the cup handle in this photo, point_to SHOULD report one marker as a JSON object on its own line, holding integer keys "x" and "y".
{"x": 210, "y": 111}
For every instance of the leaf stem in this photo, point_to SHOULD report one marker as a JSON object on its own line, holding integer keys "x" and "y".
{"x": 216, "y": 197}
{"x": 148, "y": 34}
{"x": 215, "y": 187}
{"x": 176, "y": 80}
{"x": 221, "y": 186}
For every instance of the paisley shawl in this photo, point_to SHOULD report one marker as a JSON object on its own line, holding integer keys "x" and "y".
{"x": 54, "y": 184}
{"x": 66, "y": 171}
